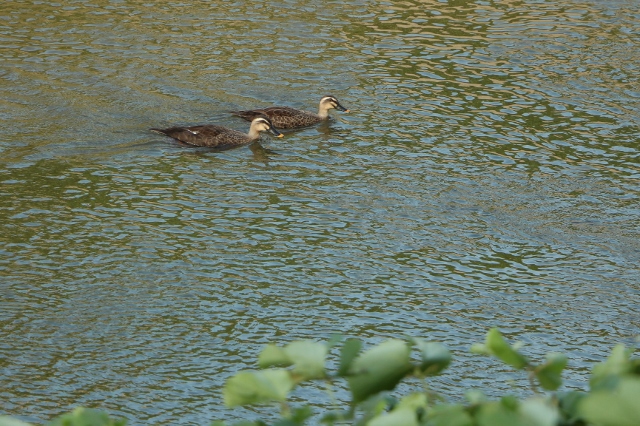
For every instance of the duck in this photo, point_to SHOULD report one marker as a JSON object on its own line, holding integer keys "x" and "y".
{"x": 219, "y": 137}
{"x": 290, "y": 118}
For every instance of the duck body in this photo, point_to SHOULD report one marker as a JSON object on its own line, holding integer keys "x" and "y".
{"x": 213, "y": 136}
{"x": 290, "y": 118}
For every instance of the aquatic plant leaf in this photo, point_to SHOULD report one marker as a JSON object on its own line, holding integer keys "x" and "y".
{"x": 499, "y": 348}
{"x": 380, "y": 368}
{"x": 496, "y": 414}
{"x": 9, "y": 421}
{"x": 254, "y": 387}
{"x": 308, "y": 358}
{"x": 86, "y": 417}
{"x": 569, "y": 403}
{"x": 617, "y": 364}
{"x": 538, "y": 412}
{"x": 613, "y": 407}
{"x": 400, "y": 416}
{"x": 549, "y": 373}
{"x": 349, "y": 352}
{"x": 449, "y": 415}
{"x": 435, "y": 357}
{"x": 273, "y": 356}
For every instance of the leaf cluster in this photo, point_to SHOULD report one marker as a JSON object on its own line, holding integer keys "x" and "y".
{"x": 613, "y": 398}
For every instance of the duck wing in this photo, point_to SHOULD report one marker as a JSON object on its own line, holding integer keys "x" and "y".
{"x": 206, "y": 135}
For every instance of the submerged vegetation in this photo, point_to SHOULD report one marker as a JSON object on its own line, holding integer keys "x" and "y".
{"x": 611, "y": 399}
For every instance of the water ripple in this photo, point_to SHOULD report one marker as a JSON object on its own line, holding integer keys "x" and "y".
{"x": 486, "y": 176}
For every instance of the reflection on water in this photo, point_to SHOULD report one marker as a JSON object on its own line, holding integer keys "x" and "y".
{"x": 486, "y": 176}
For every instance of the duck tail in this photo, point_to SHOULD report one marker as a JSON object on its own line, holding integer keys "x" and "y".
{"x": 162, "y": 132}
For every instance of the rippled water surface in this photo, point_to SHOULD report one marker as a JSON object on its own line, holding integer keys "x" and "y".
{"x": 487, "y": 175}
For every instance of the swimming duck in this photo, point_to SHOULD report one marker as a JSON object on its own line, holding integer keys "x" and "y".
{"x": 220, "y": 137}
{"x": 289, "y": 118}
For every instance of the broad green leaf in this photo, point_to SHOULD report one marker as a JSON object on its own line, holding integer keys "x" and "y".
{"x": 511, "y": 412}
{"x": 538, "y": 412}
{"x": 617, "y": 364}
{"x": 273, "y": 356}
{"x": 375, "y": 406}
{"x": 480, "y": 349}
{"x": 380, "y": 368}
{"x": 333, "y": 417}
{"x": 308, "y": 358}
{"x": 334, "y": 339}
{"x": 413, "y": 401}
{"x": 254, "y": 387}
{"x": 299, "y": 415}
{"x": 297, "y": 418}
{"x": 510, "y": 401}
{"x": 400, "y": 416}
{"x": 86, "y": 417}
{"x": 549, "y": 373}
{"x": 349, "y": 352}
{"x": 475, "y": 396}
{"x": 569, "y": 403}
{"x": 10, "y": 421}
{"x": 449, "y": 415}
{"x": 241, "y": 423}
{"x": 435, "y": 357}
{"x": 499, "y": 348}
{"x": 497, "y": 414}
{"x": 613, "y": 407}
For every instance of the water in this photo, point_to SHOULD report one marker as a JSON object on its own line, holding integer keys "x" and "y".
{"x": 487, "y": 175}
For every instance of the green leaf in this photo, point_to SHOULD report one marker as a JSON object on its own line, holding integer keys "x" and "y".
{"x": 273, "y": 356}
{"x": 401, "y": 416}
{"x": 449, "y": 415}
{"x": 414, "y": 401}
{"x": 334, "y": 339}
{"x": 549, "y": 373}
{"x": 10, "y": 421}
{"x": 380, "y": 368}
{"x": 511, "y": 412}
{"x": 538, "y": 412}
{"x": 435, "y": 357}
{"x": 496, "y": 414}
{"x": 613, "y": 407}
{"x": 480, "y": 349}
{"x": 307, "y": 357}
{"x": 301, "y": 414}
{"x": 510, "y": 401}
{"x": 375, "y": 406}
{"x": 617, "y": 364}
{"x": 254, "y": 387}
{"x": 569, "y": 403}
{"x": 349, "y": 352}
{"x": 499, "y": 348}
{"x": 333, "y": 417}
{"x": 86, "y": 417}
{"x": 241, "y": 423}
{"x": 475, "y": 396}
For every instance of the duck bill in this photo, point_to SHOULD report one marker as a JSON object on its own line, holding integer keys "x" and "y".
{"x": 341, "y": 108}
{"x": 275, "y": 133}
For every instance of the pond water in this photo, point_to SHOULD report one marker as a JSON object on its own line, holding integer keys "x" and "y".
{"x": 487, "y": 175}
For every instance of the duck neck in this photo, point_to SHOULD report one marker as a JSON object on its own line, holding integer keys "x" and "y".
{"x": 323, "y": 111}
{"x": 253, "y": 133}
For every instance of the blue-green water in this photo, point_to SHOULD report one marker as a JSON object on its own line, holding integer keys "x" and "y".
{"x": 487, "y": 175}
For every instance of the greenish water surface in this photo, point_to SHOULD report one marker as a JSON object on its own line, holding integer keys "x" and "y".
{"x": 487, "y": 175}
